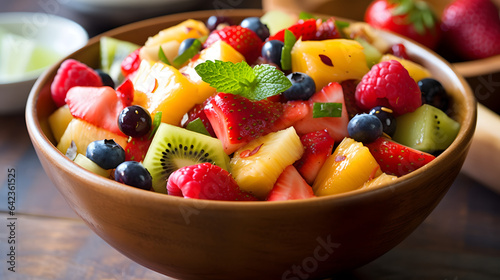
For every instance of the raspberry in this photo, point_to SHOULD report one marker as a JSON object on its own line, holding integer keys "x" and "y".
{"x": 72, "y": 73}
{"x": 388, "y": 84}
{"x": 205, "y": 181}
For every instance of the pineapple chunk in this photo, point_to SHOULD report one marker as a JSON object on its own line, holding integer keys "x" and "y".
{"x": 264, "y": 160}
{"x": 59, "y": 120}
{"x": 416, "y": 71}
{"x": 83, "y": 133}
{"x": 375, "y": 183}
{"x": 347, "y": 169}
{"x": 91, "y": 166}
{"x": 219, "y": 50}
{"x": 161, "y": 87}
{"x": 326, "y": 61}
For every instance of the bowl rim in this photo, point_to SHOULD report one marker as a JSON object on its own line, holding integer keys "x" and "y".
{"x": 17, "y": 18}
{"x": 461, "y": 142}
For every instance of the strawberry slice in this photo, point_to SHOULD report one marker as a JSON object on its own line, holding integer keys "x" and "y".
{"x": 397, "y": 159}
{"x": 242, "y": 39}
{"x": 290, "y": 185}
{"x": 136, "y": 148}
{"x": 303, "y": 28}
{"x": 237, "y": 120}
{"x": 131, "y": 63}
{"x": 125, "y": 92}
{"x": 336, "y": 126}
{"x": 99, "y": 106}
{"x": 205, "y": 181}
{"x": 318, "y": 146}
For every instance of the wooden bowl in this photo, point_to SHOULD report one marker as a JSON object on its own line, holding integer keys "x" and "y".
{"x": 198, "y": 239}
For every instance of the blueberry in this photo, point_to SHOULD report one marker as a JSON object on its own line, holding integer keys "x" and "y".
{"x": 254, "y": 24}
{"x": 105, "y": 78}
{"x": 303, "y": 87}
{"x": 106, "y": 153}
{"x": 134, "y": 174}
{"x": 386, "y": 117}
{"x": 185, "y": 45}
{"x": 365, "y": 128}
{"x": 271, "y": 52}
{"x": 214, "y": 21}
{"x": 433, "y": 93}
{"x": 134, "y": 121}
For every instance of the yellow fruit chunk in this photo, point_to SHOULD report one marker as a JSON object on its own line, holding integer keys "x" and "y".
{"x": 83, "y": 133}
{"x": 170, "y": 39}
{"x": 328, "y": 61}
{"x": 257, "y": 165}
{"x": 91, "y": 166}
{"x": 375, "y": 183}
{"x": 416, "y": 71}
{"x": 219, "y": 50}
{"x": 59, "y": 120}
{"x": 347, "y": 169}
{"x": 161, "y": 87}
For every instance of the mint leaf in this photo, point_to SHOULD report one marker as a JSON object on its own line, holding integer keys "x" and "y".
{"x": 187, "y": 54}
{"x": 270, "y": 81}
{"x": 321, "y": 110}
{"x": 286, "y": 53}
{"x": 306, "y": 15}
{"x": 156, "y": 123}
{"x": 197, "y": 126}
{"x": 163, "y": 57}
{"x": 236, "y": 78}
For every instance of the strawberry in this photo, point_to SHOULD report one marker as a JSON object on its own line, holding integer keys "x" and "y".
{"x": 326, "y": 30}
{"x": 399, "y": 50}
{"x": 99, "y": 106}
{"x": 303, "y": 28}
{"x": 242, "y": 39}
{"x": 125, "y": 92}
{"x": 397, "y": 159}
{"x": 72, "y": 73}
{"x": 131, "y": 63}
{"x": 290, "y": 185}
{"x": 205, "y": 181}
{"x": 471, "y": 28}
{"x": 411, "y": 18}
{"x": 336, "y": 126}
{"x": 198, "y": 112}
{"x": 237, "y": 120}
{"x": 389, "y": 84}
{"x": 318, "y": 145}
{"x": 136, "y": 148}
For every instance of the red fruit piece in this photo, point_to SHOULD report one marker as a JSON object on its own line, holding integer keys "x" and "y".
{"x": 136, "y": 148}
{"x": 303, "y": 28}
{"x": 99, "y": 106}
{"x": 326, "y": 30}
{"x": 399, "y": 50}
{"x": 125, "y": 92}
{"x": 336, "y": 126}
{"x": 198, "y": 112}
{"x": 242, "y": 39}
{"x": 397, "y": 159}
{"x": 318, "y": 147}
{"x": 72, "y": 73}
{"x": 349, "y": 90}
{"x": 237, "y": 120}
{"x": 131, "y": 63}
{"x": 289, "y": 186}
{"x": 471, "y": 28}
{"x": 205, "y": 181}
{"x": 389, "y": 84}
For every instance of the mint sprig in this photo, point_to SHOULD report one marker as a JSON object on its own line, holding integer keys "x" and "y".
{"x": 256, "y": 83}
{"x": 327, "y": 109}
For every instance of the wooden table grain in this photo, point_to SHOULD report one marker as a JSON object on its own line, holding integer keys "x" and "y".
{"x": 459, "y": 240}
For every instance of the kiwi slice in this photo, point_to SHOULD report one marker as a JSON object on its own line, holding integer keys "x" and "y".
{"x": 173, "y": 147}
{"x": 426, "y": 129}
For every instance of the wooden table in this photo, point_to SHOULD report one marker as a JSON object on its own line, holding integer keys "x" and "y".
{"x": 459, "y": 240}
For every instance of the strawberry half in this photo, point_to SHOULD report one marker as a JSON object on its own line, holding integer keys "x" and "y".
{"x": 336, "y": 126}
{"x": 397, "y": 159}
{"x": 136, "y": 148}
{"x": 237, "y": 120}
{"x": 303, "y": 28}
{"x": 318, "y": 146}
{"x": 99, "y": 106}
{"x": 125, "y": 92}
{"x": 242, "y": 39}
{"x": 290, "y": 185}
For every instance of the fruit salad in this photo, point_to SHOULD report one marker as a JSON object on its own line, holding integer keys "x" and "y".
{"x": 236, "y": 112}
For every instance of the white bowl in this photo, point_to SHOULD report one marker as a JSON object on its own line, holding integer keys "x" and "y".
{"x": 56, "y": 35}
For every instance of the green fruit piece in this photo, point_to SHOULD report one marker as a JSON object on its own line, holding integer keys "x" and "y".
{"x": 197, "y": 125}
{"x": 277, "y": 20}
{"x": 174, "y": 147}
{"x": 113, "y": 52}
{"x": 426, "y": 129}
{"x": 372, "y": 55}
{"x": 91, "y": 166}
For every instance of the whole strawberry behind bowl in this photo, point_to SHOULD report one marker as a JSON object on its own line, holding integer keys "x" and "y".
{"x": 201, "y": 239}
